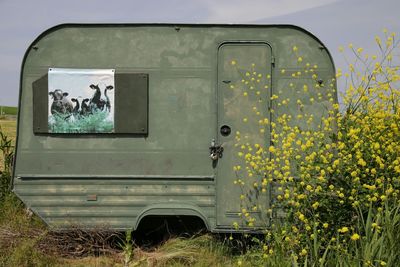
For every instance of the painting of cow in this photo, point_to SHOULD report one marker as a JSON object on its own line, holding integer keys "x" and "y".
{"x": 81, "y": 101}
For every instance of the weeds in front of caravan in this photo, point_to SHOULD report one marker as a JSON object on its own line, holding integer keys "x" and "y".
{"x": 337, "y": 187}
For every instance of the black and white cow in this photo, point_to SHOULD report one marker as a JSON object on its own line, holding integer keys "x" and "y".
{"x": 107, "y": 99}
{"x": 61, "y": 104}
{"x": 97, "y": 102}
{"x": 85, "y": 108}
{"x": 81, "y": 107}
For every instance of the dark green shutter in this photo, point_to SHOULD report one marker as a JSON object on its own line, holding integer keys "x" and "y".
{"x": 131, "y": 103}
{"x": 40, "y": 105}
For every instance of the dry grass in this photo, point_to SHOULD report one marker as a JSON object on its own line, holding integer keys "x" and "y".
{"x": 91, "y": 261}
{"x": 9, "y": 128}
{"x": 73, "y": 244}
{"x": 57, "y": 249}
{"x": 204, "y": 250}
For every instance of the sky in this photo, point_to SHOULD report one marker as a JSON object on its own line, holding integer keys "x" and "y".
{"x": 334, "y": 22}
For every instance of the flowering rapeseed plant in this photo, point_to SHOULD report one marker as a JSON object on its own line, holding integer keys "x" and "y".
{"x": 333, "y": 172}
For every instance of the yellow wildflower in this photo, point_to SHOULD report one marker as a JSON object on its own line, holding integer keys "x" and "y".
{"x": 355, "y": 237}
{"x": 303, "y": 252}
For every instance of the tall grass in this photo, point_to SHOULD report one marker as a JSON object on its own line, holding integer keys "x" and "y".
{"x": 7, "y": 152}
{"x": 19, "y": 232}
{"x": 204, "y": 250}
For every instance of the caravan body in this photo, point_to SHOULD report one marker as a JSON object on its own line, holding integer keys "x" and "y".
{"x": 167, "y": 93}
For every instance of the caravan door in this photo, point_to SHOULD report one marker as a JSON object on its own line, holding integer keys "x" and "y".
{"x": 244, "y": 91}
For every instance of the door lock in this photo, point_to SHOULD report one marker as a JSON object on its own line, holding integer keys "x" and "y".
{"x": 225, "y": 130}
{"x": 215, "y": 150}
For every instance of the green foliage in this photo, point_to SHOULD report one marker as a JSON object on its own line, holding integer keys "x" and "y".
{"x": 6, "y": 150}
{"x": 127, "y": 247}
{"x": 26, "y": 254}
{"x": 20, "y": 234}
{"x": 15, "y": 221}
{"x": 13, "y": 215}
{"x": 91, "y": 123}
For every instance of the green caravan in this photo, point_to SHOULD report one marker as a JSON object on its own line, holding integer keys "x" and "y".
{"x": 118, "y": 122}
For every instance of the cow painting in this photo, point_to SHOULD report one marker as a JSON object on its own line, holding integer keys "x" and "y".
{"x": 88, "y": 104}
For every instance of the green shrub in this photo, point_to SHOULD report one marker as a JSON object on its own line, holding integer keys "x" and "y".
{"x": 6, "y": 150}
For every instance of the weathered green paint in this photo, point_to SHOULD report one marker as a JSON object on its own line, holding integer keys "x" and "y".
{"x": 115, "y": 180}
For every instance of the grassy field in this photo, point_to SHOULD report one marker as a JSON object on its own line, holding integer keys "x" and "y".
{"x": 9, "y": 127}
{"x": 6, "y": 110}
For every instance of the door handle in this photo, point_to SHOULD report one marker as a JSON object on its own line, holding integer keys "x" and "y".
{"x": 216, "y": 151}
